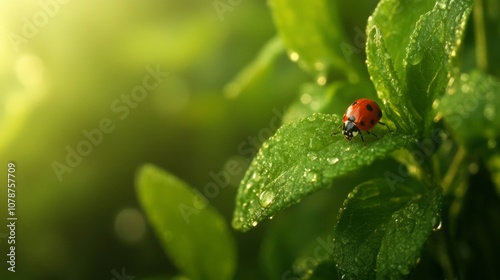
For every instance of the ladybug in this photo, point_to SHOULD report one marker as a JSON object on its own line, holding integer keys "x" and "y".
{"x": 362, "y": 115}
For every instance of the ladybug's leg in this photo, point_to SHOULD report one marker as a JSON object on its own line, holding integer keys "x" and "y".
{"x": 338, "y": 130}
{"x": 371, "y": 133}
{"x": 363, "y": 139}
{"x": 386, "y": 126}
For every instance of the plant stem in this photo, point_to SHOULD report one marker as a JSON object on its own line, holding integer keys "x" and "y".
{"x": 453, "y": 170}
{"x": 443, "y": 256}
{"x": 480, "y": 36}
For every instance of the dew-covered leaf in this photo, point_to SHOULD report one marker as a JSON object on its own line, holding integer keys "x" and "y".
{"x": 411, "y": 51}
{"x": 292, "y": 236}
{"x": 389, "y": 30}
{"x": 382, "y": 230}
{"x": 395, "y": 20}
{"x": 432, "y": 51}
{"x": 470, "y": 109}
{"x": 387, "y": 83}
{"x": 301, "y": 158}
{"x": 312, "y": 32}
{"x": 194, "y": 235}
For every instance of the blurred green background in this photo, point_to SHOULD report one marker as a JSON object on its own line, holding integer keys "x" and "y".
{"x": 63, "y": 66}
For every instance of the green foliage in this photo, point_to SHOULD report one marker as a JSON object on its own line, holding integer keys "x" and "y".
{"x": 381, "y": 231}
{"x": 299, "y": 159}
{"x": 410, "y": 52}
{"x": 310, "y": 29}
{"x": 433, "y": 46}
{"x": 414, "y": 58}
{"x": 471, "y": 99}
{"x": 193, "y": 233}
{"x": 387, "y": 83}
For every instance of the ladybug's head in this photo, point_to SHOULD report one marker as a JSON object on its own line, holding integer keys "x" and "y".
{"x": 349, "y": 129}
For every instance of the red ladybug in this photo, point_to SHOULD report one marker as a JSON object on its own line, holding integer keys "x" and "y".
{"x": 362, "y": 115}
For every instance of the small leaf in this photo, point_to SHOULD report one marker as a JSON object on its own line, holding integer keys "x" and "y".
{"x": 411, "y": 51}
{"x": 311, "y": 30}
{"x": 387, "y": 83}
{"x": 431, "y": 50}
{"x": 301, "y": 158}
{"x": 395, "y": 20}
{"x": 194, "y": 234}
{"x": 381, "y": 231}
{"x": 470, "y": 108}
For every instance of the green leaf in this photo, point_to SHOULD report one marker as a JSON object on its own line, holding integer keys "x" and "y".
{"x": 194, "y": 235}
{"x": 301, "y": 158}
{"x": 387, "y": 83}
{"x": 381, "y": 231}
{"x": 293, "y": 236}
{"x": 411, "y": 52}
{"x": 431, "y": 53}
{"x": 470, "y": 109}
{"x": 311, "y": 30}
{"x": 395, "y": 20}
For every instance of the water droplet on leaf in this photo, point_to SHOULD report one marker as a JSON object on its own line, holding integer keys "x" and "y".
{"x": 333, "y": 160}
{"x": 312, "y": 156}
{"x": 311, "y": 176}
{"x": 436, "y": 221}
{"x": 266, "y": 198}
{"x": 248, "y": 185}
{"x": 415, "y": 58}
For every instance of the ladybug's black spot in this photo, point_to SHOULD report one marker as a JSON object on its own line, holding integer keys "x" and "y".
{"x": 372, "y": 121}
{"x": 369, "y": 107}
{"x": 379, "y": 114}
{"x": 354, "y": 103}
{"x": 362, "y": 123}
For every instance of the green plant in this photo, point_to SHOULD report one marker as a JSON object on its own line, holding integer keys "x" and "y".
{"x": 411, "y": 183}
